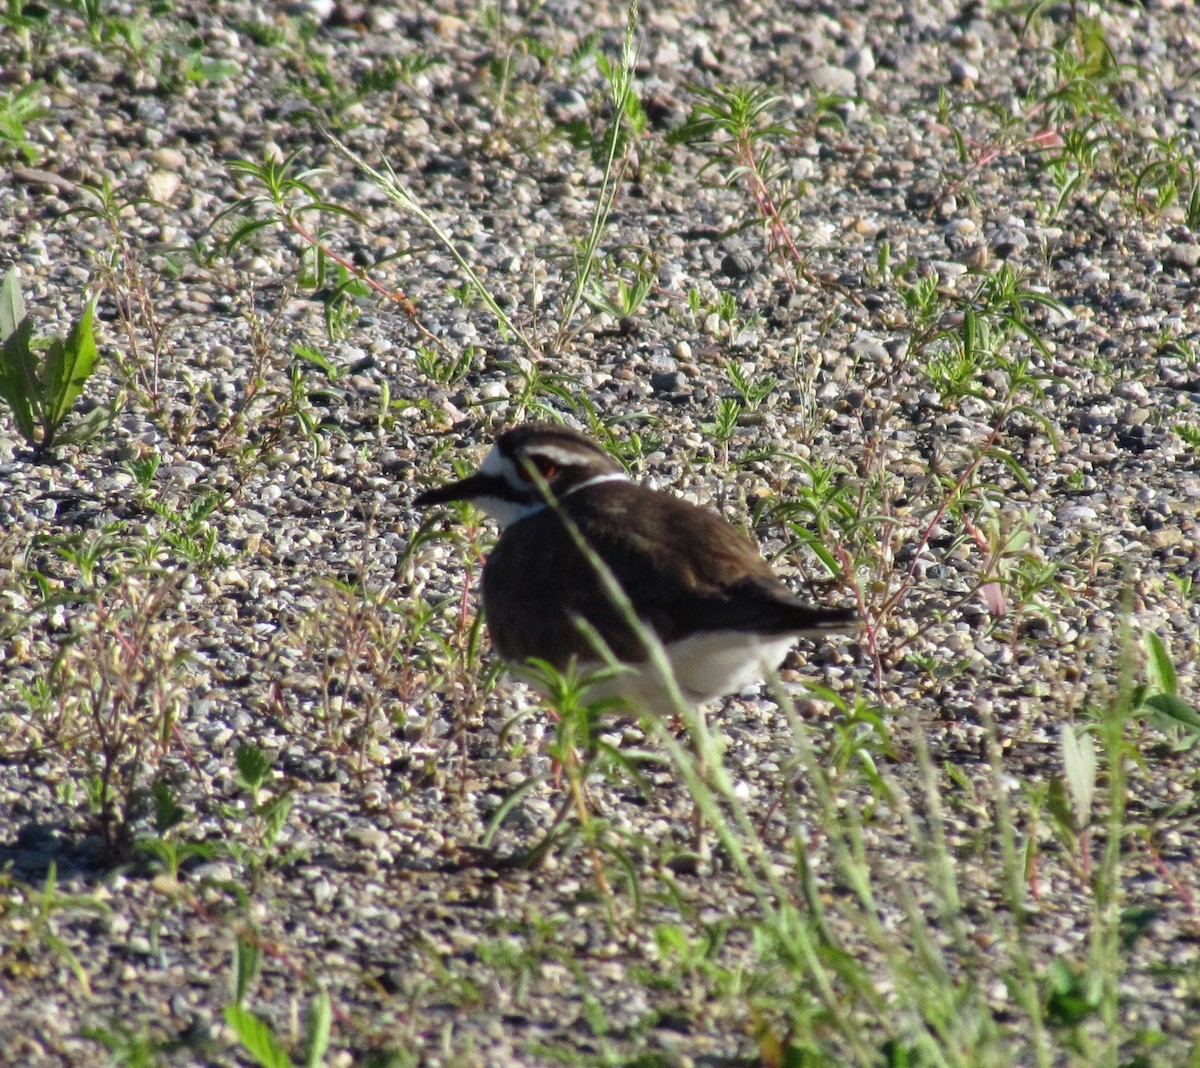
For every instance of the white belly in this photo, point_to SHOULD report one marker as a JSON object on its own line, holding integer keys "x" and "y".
{"x": 706, "y": 666}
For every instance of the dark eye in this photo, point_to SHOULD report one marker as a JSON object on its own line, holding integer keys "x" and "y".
{"x": 546, "y": 468}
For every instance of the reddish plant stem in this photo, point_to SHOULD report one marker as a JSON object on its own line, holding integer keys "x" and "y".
{"x": 397, "y": 296}
{"x": 1160, "y": 865}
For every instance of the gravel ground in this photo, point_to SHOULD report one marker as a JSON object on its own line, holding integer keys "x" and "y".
{"x": 265, "y": 582}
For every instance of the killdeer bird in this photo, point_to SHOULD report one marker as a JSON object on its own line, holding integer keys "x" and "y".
{"x": 723, "y": 617}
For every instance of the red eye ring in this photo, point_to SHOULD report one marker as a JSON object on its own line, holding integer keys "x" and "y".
{"x": 544, "y": 466}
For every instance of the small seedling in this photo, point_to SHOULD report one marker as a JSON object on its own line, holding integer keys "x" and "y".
{"x": 1190, "y": 435}
{"x": 262, "y": 814}
{"x": 28, "y": 920}
{"x": 624, "y": 301}
{"x": 754, "y": 389}
{"x": 17, "y": 110}
{"x": 42, "y": 378}
{"x": 737, "y": 128}
{"x": 581, "y": 754}
{"x": 255, "y": 1034}
{"x": 465, "y": 294}
{"x": 445, "y": 368}
{"x": 724, "y": 424}
{"x": 163, "y": 845}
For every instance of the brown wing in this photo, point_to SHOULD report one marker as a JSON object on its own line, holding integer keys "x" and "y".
{"x": 685, "y": 570}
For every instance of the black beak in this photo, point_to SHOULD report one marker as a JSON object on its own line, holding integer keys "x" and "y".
{"x": 465, "y": 489}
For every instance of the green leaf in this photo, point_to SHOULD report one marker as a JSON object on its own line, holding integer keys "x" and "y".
{"x": 90, "y": 424}
{"x": 1058, "y": 805}
{"x": 19, "y": 386}
{"x": 167, "y": 811}
{"x": 255, "y": 1035}
{"x": 247, "y": 959}
{"x": 1079, "y": 762}
{"x": 1070, "y": 997}
{"x": 12, "y": 307}
{"x": 275, "y": 813}
{"x": 1135, "y": 921}
{"x": 1175, "y": 710}
{"x": 318, "y": 359}
{"x": 969, "y": 334}
{"x": 65, "y": 952}
{"x": 253, "y": 766}
{"x": 202, "y": 69}
{"x": 68, "y": 367}
{"x": 320, "y": 1018}
{"x": 815, "y": 543}
{"x": 1159, "y": 669}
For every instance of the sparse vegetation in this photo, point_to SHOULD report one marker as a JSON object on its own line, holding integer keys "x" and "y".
{"x": 266, "y": 796}
{"x": 41, "y": 378}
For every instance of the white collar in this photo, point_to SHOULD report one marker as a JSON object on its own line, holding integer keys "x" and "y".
{"x": 595, "y": 480}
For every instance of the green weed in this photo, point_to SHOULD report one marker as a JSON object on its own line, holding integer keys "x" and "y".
{"x": 737, "y": 127}
{"x": 29, "y": 922}
{"x": 41, "y": 378}
{"x": 19, "y": 108}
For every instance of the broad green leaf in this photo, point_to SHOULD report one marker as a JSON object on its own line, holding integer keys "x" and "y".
{"x": 54, "y": 358}
{"x": 203, "y": 69}
{"x": 67, "y": 375}
{"x": 1079, "y": 763}
{"x": 18, "y": 382}
{"x": 1019, "y": 541}
{"x": 23, "y": 360}
{"x": 1160, "y": 670}
{"x": 12, "y": 307}
{"x": 1176, "y": 710}
{"x": 89, "y": 425}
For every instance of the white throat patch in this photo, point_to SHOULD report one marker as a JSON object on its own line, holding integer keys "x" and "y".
{"x": 505, "y": 512}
